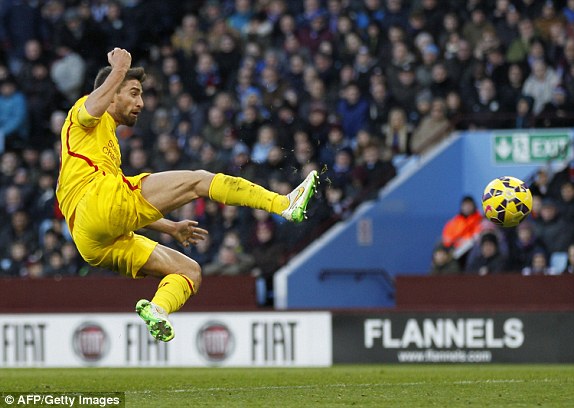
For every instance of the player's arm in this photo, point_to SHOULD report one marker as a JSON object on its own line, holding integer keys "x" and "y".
{"x": 99, "y": 100}
{"x": 185, "y": 232}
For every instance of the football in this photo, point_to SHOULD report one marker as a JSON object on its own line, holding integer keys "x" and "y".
{"x": 506, "y": 201}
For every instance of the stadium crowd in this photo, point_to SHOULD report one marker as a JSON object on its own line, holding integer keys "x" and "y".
{"x": 267, "y": 90}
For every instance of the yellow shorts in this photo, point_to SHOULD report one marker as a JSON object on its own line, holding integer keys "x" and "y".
{"x": 105, "y": 220}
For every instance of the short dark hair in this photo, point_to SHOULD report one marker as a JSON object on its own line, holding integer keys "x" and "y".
{"x": 133, "y": 73}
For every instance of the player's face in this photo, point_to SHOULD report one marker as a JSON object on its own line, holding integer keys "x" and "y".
{"x": 128, "y": 103}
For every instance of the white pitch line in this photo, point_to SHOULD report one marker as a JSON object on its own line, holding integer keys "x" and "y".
{"x": 308, "y": 386}
{"x": 280, "y": 387}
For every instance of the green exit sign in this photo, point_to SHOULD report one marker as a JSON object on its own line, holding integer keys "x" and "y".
{"x": 527, "y": 147}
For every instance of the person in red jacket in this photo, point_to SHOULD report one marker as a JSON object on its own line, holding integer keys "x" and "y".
{"x": 463, "y": 228}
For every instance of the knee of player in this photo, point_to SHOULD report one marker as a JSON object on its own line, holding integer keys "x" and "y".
{"x": 193, "y": 271}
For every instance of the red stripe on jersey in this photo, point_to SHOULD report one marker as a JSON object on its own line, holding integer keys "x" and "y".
{"x": 74, "y": 154}
{"x": 130, "y": 185}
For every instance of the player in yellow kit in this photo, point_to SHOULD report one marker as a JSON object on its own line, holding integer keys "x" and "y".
{"x": 103, "y": 208}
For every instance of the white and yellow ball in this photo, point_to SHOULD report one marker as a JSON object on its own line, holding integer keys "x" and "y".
{"x": 506, "y": 201}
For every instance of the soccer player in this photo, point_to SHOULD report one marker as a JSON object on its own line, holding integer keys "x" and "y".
{"x": 103, "y": 207}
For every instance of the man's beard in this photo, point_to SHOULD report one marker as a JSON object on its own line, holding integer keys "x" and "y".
{"x": 128, "y": 120}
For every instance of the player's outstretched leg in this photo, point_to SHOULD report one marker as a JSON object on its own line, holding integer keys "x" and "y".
{"x": 156, "y": 320}
{"x": 299, "y": 198}
{"x": 231, "y": 190}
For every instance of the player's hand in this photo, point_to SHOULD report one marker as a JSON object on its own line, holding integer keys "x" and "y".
{"x": 120, "y": 58}
{"x": 187, "y": 232}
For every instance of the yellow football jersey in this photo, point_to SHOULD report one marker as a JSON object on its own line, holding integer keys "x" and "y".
{"x": 90, "y": 149}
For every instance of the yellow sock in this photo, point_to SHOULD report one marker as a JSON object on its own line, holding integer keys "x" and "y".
{"x": 173, "y": 291}
{"x": 238, "y": 191}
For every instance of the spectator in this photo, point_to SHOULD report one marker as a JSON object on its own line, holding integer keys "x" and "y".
{"x": 267, "y": 252}
{"x": 518, "y": 49}
{"x": 507, "y": 27}
{"x": 568, "y": 11}
{"x": 266, "y": 139}
{"x": 14, "y": 264}
{"x": 461, "y": 230}
{"x": 540, "y": 84}
{"x": 530, "y": 8}
{"x": 186, "y": 35}
{"x": 9, "y": 164}
{"x": 524, "y": 118}
{"x": 423, "y": 103}
{"x": 523, "y": 244}
{"x": 374, "y": 172}
{"x": 364, "y": 66}
{"x": 203, "y": 252}
{"x": 554, "y": 231}
{"x": 137, "y": 162}
{"x": 490, "y": 261}
{"x": 443, "y": 262}
{"x": 486, "y": 107}
{"x": 400, "y": 57}
{"x": 227, "y": 56}
{"x": 315, "y": 95}
{"x": 318, "y": 126}
{"x": 229, "y": 261}
{"x": 209, "y": 160}
{"x": 273, "y": 89}
{"x": 440, "y": 82}
{"x": 335, "y": 142}
{"x": 42, "y": 96}
{"x": 342, "y": 169}
{"x": 13, "y": 116}
{"x": 548, "y": 17}
{"x": 374, "y": 39}
{"x": 338, "y": 203}
{"x": 20, "y": 22}
{"x": 461, "y": 66}
{"x": 433, "y": 128}
{"x": 19, "y": 228}
{"x": 398, "y": 132}
{"x": 13, "y": 200}
{"x": 216, "y": 127}
{"x": 205, "y": 78}
{"x": 380, "y": 104}
{"x": 406, "y": 89}
{"x": 313, "y": 34}
{"x": 474, "y": 28}
{"x": 53, "y": 264}
{"x": 241, "y": 16}
{"x": 557, "y": 112}
{"x": 511, "y": 89}
{"x": 566, "y": 201}
{"x": 539, "y": 265}
{"x": 186, "y": 109}
{"x": 450, "y": 34}
{"x": 430, "y": 56}
{"x": 44, "y": 201}
{"x": 433, "y": 16}
{"x": 73, "y": 264}
{"x": 456, "y": 111}
{"x": 541, "y": 182}
{"x": 570, "y": 263}
{"x": 554, "y": 48}
{"x": 68, "y": 73}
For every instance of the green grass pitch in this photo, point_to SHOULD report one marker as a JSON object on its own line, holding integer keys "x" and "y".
{"x": 338, "y": 386}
